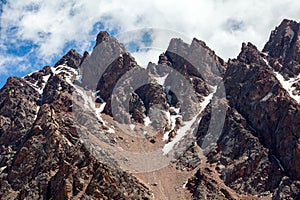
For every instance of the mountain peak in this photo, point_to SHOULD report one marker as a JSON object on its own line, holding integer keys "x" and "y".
{"x": 102, "y": 35}
{"x": 250, "y": 54}
{"x": 72, "y": 59}
{"x": 287, "y": 34}
{"x": 284, "y": 46}
{"x": 286, "y": 22}
{"x": 196, "y": 41}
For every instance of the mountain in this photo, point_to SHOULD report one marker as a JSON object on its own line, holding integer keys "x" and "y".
{"x": 192, "y": 126}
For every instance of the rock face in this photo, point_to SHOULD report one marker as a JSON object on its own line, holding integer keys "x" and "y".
{"x": 284, "y": 47}
{"x": 41, "y": 153}
{"x": 259, "y": 144}
{"x": 46, "y": 117}
{"x": 111, "y": 76}
{"x": 267, "y": 107}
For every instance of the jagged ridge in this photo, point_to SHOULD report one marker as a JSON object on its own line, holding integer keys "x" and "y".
{"x": 256, "y": 155}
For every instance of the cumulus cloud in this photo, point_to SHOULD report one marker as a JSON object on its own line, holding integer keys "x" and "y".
{"x": 36, "y": 32}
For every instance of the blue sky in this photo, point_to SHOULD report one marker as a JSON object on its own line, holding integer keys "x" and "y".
{"x": 35, "y": 33}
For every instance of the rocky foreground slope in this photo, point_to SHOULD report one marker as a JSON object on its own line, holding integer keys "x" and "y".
{"x": 191, "y": 126}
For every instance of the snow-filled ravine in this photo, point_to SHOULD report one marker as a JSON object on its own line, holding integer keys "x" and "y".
{"x": 188, "y": 125}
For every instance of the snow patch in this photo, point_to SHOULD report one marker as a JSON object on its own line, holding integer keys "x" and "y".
{"x": 89, "y": 104}
{"x": 101, "y": 107}
{"x": 132, "y": 126}
{"x": 147, "y": 121}
{"x": 184, "y": 185}
{"x": 95, "y": 94}
{"x": 2, "y": 168}
{"x": 66, "y": 71}
{"x": 40, "y": 89}
{"x": 110, "y": 130}
{"x": 266, "y": 61}
{"x": 79, "y": 78}
{"x": 67, "y": 140}
{"x": 161, "y": 80}
{"x": 45, "y": 78}
{"x": 287, "y": 85}
{"x": 172, "y": 122}
{"x": 37, "y": 111}
{"x": 268, "y": 96}
{"x": 177, "y": 110}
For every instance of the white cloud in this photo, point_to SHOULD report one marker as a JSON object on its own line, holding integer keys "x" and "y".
{"x": 145, "y": 56}
{"x": 222, "y": 24}
{"x": 7, "y": 63}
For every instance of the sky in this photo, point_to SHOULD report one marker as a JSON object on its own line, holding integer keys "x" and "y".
{"x": 36, "y": 33}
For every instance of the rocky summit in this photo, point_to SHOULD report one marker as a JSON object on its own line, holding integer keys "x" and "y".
{"x": 192, "y": 126}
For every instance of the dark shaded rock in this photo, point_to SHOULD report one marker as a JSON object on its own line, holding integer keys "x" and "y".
{"x": 256, "y": 93}
{"x": 72, "y": 59}
{"x": 251, "y": 55}
{"x": 287, "y": 189}
{"x": 102, "y": 36}
{"x": 18, "y": 110}
{"x": 242, "y": 161}
{"x": 137, "y": 108}
{"x": 284, "y": 47}
{"x": 112, "y": 75}
{"x": 152, "y": 94}
{"x": 202, "y": 186}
